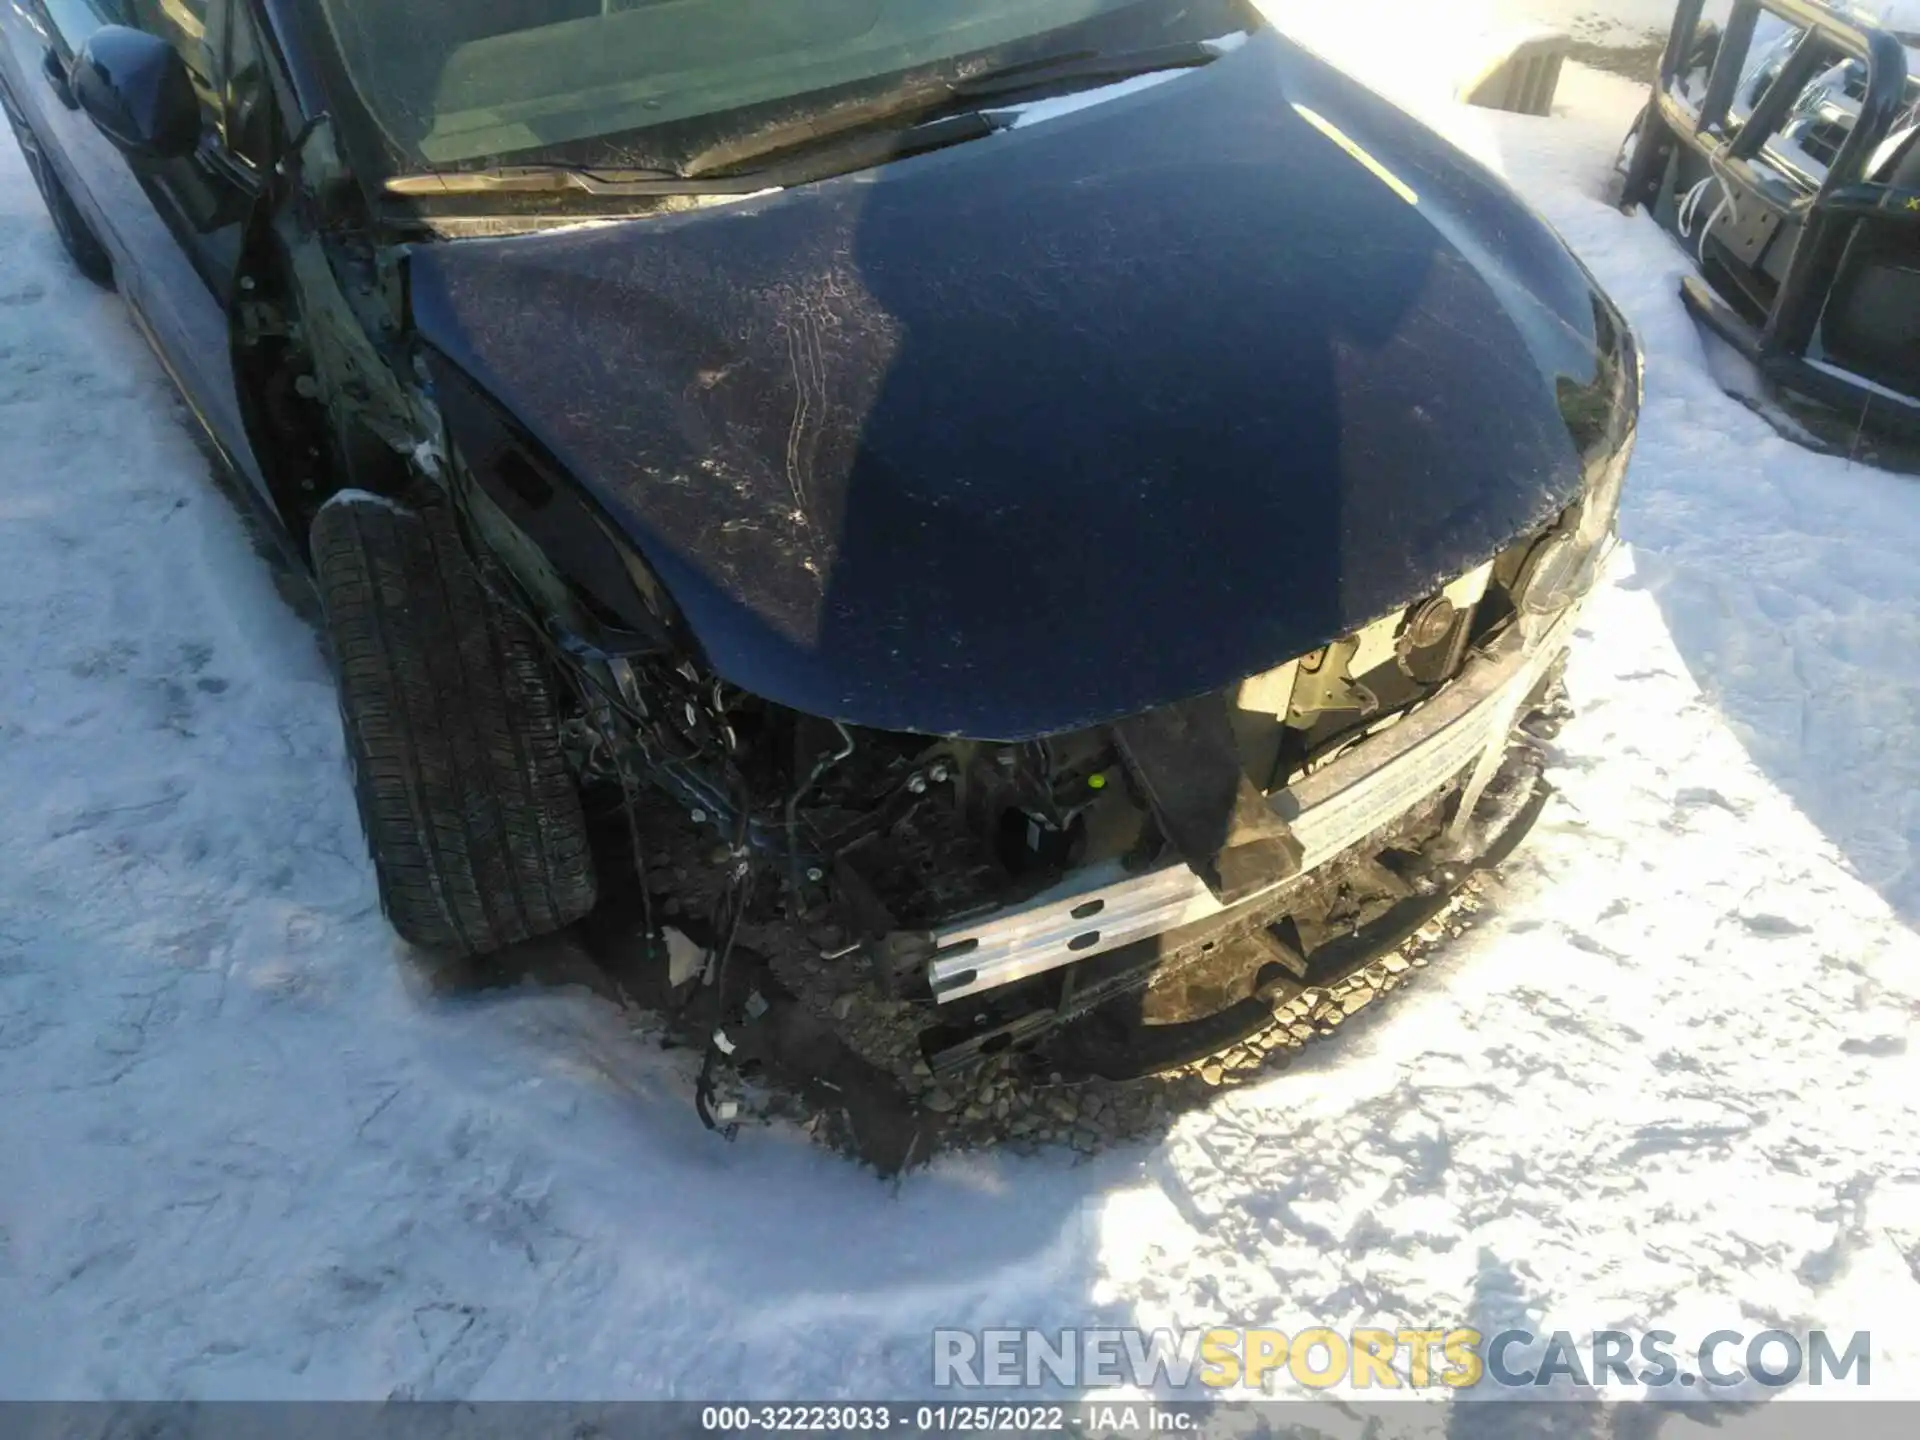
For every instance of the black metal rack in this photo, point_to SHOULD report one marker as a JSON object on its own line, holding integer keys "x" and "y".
{"x": 1776, "y": 326}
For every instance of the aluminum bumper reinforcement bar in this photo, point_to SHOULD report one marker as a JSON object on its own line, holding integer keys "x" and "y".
{"x": 1467, "y": 725}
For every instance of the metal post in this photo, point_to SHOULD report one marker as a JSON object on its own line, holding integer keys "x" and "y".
{"x": 1735, "y": 41}
{"x": 1803, "y": 292}
{"x": 1686, "y": 22}
{"x": 1813, "y": 53}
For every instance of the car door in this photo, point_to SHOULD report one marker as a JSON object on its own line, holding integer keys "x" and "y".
{"x": 174, "y": 227}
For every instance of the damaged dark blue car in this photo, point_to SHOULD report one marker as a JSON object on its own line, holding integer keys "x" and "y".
{"x": 1077, "y": 502}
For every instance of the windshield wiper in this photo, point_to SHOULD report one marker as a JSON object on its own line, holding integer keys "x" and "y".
{"x": 1083, "y": 67}
{"x": 853, "y": 137}
{"x": 904, "y": 122}
{"x": 553, "y": 178}
{"x": 809, "y": 162}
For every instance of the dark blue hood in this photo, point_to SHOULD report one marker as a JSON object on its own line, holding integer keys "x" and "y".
{"x": 1064, "y": 424}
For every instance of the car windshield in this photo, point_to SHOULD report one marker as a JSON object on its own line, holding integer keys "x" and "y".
{"x": 452, "y": 83}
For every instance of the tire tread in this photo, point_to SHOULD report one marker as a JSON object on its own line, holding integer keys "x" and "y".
{"x": 472, "y": 816}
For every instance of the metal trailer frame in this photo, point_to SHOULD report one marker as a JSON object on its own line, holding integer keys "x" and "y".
{"x": 1785, "y": 347}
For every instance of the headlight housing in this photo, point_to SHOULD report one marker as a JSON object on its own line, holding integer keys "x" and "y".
{"x": 1566, "y": 563}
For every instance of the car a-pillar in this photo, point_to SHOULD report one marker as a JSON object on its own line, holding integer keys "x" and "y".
{"x": 323, "y": 405}
{"x": 279, "y": 400}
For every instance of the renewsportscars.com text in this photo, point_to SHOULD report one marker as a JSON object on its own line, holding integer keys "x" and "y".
{"x": 1367, "y": 1358}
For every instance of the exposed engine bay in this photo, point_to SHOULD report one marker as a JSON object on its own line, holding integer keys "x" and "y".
{"x": 884, "y": 847}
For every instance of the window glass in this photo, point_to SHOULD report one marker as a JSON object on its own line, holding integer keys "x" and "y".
{"x": 181, "y": 22}
{"x": 453, "y": 81}
{"x": 247, "y": 109}
{"x": 77, "y": 19}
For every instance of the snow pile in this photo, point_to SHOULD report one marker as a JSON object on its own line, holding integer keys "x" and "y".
{"x": 1363, "y": 24}
{"x": 1899, "y": 15}
{"x": 254, "y": 1150}
{"x": 1422, "y": 53}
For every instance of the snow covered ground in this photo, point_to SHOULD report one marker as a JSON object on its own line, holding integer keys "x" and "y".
{"x": 251, "y": 1150}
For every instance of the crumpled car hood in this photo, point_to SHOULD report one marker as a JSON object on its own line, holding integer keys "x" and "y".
{"x": 1061, "y": 425}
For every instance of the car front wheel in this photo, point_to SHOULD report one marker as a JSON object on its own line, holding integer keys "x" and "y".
{"x": 471, "y": 813}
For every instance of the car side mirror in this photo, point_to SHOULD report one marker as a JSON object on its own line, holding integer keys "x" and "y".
{"x": 136, "y": 90}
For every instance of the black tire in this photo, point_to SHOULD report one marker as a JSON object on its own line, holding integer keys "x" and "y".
{"x": 83, "y": 247}
{"x": 1623, "y": 158}
{"x": 472, "y": 817}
